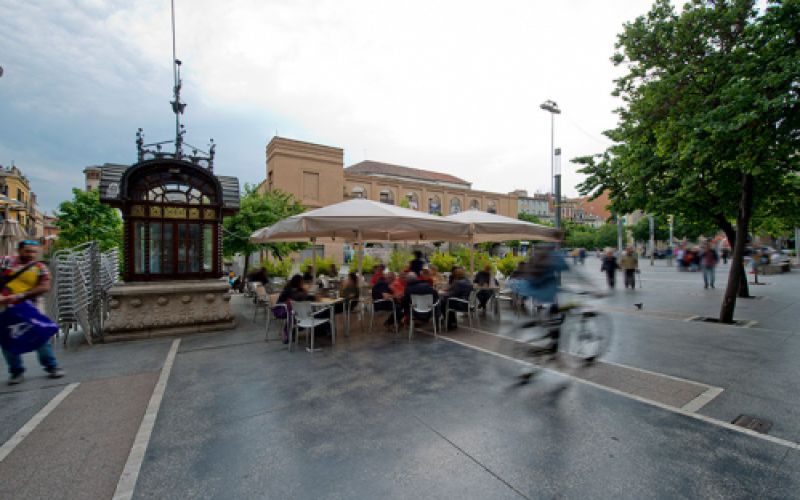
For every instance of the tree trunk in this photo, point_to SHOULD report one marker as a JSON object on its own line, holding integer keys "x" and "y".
{"x": 730, "y": 233}
{"x": 737, "y": 274}
{"x": 246, "y": 264}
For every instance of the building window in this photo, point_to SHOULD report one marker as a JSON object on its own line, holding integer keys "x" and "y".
{"x": 492, "y": 207}
{"x": 20, "y": 196}
{"x": 434, "y": 205}
{"x": 358, "y": 192}
{"x": 474, "y": 205}
{"x": 310, "y": 186}
{"x": 413, "y": 201}
{"x": 387, "y": 197}
{"x": 455, "y": 205}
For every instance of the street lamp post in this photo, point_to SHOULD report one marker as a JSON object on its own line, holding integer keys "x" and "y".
{"x": 671, "y": 243}
{"x": 652, "y": 242}
{"x": 552, "y": 108}
{"x": 557, "y": 180}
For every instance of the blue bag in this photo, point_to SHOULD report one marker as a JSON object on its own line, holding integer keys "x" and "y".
{"x": 24, "y": 329}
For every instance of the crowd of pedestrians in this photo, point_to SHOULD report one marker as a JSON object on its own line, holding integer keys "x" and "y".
{"x": 704, "y": 259}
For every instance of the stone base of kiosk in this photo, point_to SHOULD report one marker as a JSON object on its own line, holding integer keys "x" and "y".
{"x": 163, "y": 308}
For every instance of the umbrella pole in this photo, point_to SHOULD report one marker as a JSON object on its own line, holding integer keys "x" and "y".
{"x": 313, "y": 261}
{"x": 360, "y": 255}
{"x": 472, "y": 259}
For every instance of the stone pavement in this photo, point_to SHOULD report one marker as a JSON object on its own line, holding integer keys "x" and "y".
{"x": 379, "y": 416}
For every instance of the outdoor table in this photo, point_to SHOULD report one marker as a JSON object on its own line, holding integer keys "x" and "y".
{"x": 329, "y": 303}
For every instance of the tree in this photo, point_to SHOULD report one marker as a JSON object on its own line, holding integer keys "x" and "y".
{"x": 533, "y": 219}
{"x": 606, "y": 236}
{"x": 258, "y": 210}
{"x": 641, "y": 230}
{"x": 579, "y": 235}
{"x": 708, "y": 128}
{"x": 84, "y": 219}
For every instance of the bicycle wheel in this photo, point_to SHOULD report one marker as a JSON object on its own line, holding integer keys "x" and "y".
{"x": 586, "y": 335}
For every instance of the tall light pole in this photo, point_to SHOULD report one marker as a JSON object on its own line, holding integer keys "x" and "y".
{"x": 552, "y": 108}
{"x": 557, "y": 180}
{"x": 671, "y": 243}
{"x": 652, "y": 242}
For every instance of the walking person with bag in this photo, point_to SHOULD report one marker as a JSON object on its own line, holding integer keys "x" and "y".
{"x": 22, "y": 327}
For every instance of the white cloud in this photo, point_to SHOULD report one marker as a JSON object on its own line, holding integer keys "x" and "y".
{"x": 449, "y": 85}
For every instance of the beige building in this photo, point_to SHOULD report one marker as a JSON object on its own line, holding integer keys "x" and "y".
{"x": 19, "y": 202}
{"x": 316, "y": 175}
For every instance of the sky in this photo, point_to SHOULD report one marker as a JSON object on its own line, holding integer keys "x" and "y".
{"x": 452, "y": 85}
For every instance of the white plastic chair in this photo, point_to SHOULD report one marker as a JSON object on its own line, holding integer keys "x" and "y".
{"x": 422, "y": 304}
{"x": 305, "y": 320}
{"x": 261, "y": 301}
{"x": 471, "y": 303}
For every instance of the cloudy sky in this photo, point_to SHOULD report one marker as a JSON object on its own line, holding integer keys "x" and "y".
{"x": 448, "y": 85}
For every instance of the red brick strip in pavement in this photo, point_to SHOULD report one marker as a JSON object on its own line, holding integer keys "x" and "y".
{"x": 79, "y": 450}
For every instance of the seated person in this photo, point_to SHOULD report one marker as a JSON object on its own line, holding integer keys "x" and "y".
{"x": 425, "y": 275}
{"x": 484, "y": 280}
{"x": 349, "y": 289}
{"x": 452, "y": 278}
{"x": 436, "y": 278}
{"x": 398, "y": 285}
{"x": 377, "y": 273}
{"x": 460, "y": 289}
{"x": 349, "y": 292}
{"x": 258, "y": 276}
{"x": 381, "y": 291}
{"x": 418, "y": 287}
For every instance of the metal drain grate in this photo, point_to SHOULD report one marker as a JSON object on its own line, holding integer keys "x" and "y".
{"x": 753, "y": 423}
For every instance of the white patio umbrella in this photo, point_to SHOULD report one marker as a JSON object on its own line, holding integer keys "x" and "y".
{"x": 361, "y": 220}
{"x": 483, "y": 227}
{"x": 10, "y": 235}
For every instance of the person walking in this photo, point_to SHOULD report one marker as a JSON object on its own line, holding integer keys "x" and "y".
{"x": 610, "y": 267}
{"x": 629, "y": 263}
{"x": 26, "y": 279}
{"x": 708, "y": 261}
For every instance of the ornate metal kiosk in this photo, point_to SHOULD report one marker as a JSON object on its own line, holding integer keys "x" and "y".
{"x": 172, "y": 206}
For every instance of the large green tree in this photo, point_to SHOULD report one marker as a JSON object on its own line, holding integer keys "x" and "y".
{"x": 641, "y": 230}
{"x": 708, "y": 130}
{"x": 84, "y": 219}
{"x": 258, "y": 210}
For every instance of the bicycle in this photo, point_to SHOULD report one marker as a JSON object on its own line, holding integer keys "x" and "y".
{"x": 582, "y": 333}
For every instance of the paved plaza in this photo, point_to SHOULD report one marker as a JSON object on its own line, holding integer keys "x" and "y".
{"x": 227, "y": 415}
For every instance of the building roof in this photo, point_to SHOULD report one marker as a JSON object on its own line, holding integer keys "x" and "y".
{"x": 369, "y": 167}
{"x": 111, "y": 176}
{"x": 598, "y": 206}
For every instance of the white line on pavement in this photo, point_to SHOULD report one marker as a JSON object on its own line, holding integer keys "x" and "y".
{"x": 680, "y": 411}
{"x": 703, "y": 399}
{"x": 26, "y": 429}
{"x": 130, "y": 473}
